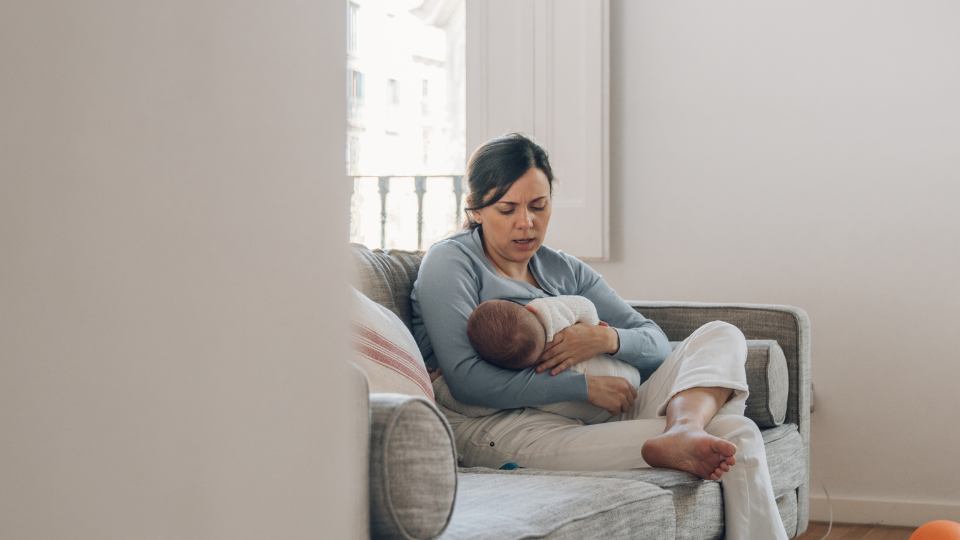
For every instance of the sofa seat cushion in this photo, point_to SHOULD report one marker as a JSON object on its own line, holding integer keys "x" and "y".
{"x": 699, "y": 503}
{"x": 501, "y": 505}
{"x": 788, "y": 508}
{"x": 786, "y": 458}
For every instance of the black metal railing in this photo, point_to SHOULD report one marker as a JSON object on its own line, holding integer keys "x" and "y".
{"x": 420, "y": 188}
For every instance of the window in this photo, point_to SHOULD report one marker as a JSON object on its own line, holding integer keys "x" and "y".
{"x": 353, "y": 12}
{"x": 393, "y": 92}
{"x": 562, "y": 48}
{"x": 406, "y": 156}
{"x": 425, "y": 96}
{"x": 356, "y": 86}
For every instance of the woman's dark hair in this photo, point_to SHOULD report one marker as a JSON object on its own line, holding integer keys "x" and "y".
{"x": 496, "y": 165}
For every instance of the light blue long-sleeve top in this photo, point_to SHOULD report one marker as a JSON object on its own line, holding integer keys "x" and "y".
{"x": 455, "y": 276}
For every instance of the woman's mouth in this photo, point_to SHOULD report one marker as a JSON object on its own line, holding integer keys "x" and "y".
{"x": 525, "y": 243}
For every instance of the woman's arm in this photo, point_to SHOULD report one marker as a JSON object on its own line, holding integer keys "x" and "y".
{"x": 447, "y": 291}
{"x": 642, "y": 343}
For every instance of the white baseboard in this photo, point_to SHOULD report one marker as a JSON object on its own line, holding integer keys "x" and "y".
{"x": 881, "y": 512}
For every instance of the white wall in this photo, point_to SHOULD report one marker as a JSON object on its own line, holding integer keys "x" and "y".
{"x": 808, "y": 154}
{"x": 173, "y": 208}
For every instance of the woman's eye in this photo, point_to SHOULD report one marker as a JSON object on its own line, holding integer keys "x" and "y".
{"x": 539, "y": 208}
{"x": 505, "y": 212}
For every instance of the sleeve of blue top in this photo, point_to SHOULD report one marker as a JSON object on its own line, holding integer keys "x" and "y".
{"x": 642, "y": 343}
{"x": 448, "y": 291}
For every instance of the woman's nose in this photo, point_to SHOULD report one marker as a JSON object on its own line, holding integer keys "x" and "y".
{"x": 524, "y": 219}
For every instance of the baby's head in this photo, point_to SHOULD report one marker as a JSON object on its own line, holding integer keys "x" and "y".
{"x": 506, "y": 334}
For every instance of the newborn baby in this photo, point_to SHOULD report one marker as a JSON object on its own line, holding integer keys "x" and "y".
{"x": 513, "y": 336}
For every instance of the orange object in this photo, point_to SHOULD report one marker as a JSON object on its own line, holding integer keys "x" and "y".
{"x": 941, "y": 529}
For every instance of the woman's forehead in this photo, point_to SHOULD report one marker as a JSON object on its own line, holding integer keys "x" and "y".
{"x": 532, "y": 185}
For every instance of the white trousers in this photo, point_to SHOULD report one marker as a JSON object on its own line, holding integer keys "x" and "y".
{"x": 713, "y": 356}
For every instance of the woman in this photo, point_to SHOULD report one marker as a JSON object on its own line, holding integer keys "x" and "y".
{"x": 688, "y": 413}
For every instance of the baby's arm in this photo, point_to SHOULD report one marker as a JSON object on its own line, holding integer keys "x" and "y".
{"x": 583, "y": 309}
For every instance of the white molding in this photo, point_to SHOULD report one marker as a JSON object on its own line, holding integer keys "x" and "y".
{"x": 542, "y": 68}
{"x": 881, "y": 512}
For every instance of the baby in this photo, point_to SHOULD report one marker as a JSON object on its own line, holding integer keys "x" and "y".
{"x": 513, "y": 336}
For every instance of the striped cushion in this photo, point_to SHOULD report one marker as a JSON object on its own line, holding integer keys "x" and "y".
{"x": 386, "y": 352}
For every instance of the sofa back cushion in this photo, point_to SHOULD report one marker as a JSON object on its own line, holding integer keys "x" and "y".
{"x": 387, "y": 277}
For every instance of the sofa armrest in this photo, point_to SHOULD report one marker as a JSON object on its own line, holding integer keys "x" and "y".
{"x": 788, "y": 326}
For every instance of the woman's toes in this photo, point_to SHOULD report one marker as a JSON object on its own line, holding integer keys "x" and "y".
{"x": 724, "y": 447}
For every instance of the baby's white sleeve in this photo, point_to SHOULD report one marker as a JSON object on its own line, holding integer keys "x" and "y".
{"x": 583, "y": 309}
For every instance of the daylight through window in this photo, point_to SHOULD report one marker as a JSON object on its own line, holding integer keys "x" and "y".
{"x": 405, "y": 130}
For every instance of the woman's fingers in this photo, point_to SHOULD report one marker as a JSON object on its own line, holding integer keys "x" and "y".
{"x": 551, "y": 347}
{"x": 565, "y": 364}
{"x": 551, "y": 363}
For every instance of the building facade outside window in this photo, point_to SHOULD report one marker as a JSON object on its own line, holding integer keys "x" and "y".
{"x": 405, "y": 156}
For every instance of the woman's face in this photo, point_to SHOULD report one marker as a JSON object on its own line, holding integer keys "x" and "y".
{"x": 514, "y": 227}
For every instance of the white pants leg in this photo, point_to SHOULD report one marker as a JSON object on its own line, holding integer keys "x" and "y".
{"x": 713, "y": 356}
{"x": 749, "y": 507}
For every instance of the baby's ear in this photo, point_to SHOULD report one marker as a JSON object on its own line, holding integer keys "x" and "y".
{"x": 530, "y": 308}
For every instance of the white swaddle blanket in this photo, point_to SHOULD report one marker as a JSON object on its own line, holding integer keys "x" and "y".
{"x": 557, "y": 313}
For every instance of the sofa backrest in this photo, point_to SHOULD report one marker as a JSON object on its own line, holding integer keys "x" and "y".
{"x": 387, "y": 277}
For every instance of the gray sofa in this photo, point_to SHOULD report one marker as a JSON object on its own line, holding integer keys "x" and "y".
{"x": 418, "y": 490}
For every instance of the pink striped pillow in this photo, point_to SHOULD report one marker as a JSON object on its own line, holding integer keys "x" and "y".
{"x": 386, "y": 352}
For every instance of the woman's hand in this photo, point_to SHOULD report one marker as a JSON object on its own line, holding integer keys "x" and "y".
{"x": 614, "y": 394}
{"x": 576, "y": 343}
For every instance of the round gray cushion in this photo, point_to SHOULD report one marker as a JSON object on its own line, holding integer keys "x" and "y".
{"x": 413, "y": 468}
{"x": 768, "y": 379}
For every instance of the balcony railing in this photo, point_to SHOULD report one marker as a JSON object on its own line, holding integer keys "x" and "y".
{"x": 450, "y": 207}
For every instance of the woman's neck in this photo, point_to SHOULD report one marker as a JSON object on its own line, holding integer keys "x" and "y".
{"x": 512, "y": 270}
{"x": 519, "y": 271}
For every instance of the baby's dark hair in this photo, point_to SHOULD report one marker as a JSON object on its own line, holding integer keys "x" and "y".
{"x": 503, "y": 336}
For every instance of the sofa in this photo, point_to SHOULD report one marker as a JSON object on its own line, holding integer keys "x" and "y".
{"x": 417, "y": 488}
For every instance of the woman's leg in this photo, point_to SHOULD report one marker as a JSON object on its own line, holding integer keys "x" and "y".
{"x": 537, "y": 439}
{"x": 702, "y": 391}
{"x": 685, "y": 444}
{"x": 749, "y": 507}
{"x": 704, "y": 374}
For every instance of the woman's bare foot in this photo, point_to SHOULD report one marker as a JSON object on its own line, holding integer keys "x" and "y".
{"x": 691, "y": 450}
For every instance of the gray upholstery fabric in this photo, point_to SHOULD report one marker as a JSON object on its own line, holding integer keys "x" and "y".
{"x": 413, "y": 471}
{"x": 497, "y": 505}
{"x": 788, "y": 326}
{"x": 387, "y": 277}
{"x": 786, "y": 456}
{"x": 769, "y": 382}
{"x": 698, "y": 505}
{"x": 787, "y": 505}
